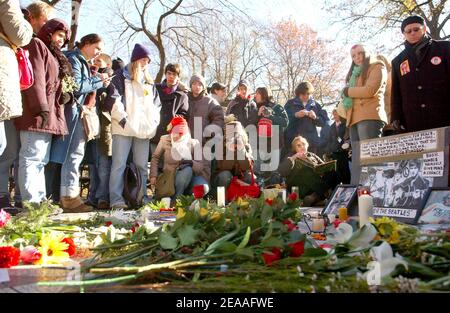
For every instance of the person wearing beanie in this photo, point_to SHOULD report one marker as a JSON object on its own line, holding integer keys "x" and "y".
{"x": 218, "y": 92}
{"x": 174, "y": 101}
{"x": 243, "y": 107}
{"x": 205, "y": 113}
{"x": 420, "y": 96}
{"x": 177, "y": 149}
{"x": 135, "y": 116}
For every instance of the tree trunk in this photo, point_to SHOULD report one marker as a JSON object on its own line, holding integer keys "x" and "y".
{"x": 76, "y": 4}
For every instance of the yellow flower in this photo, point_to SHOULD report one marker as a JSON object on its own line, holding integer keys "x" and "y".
{"x": 203, "y": 212}
{"x": 216, "y": 217}
{"x": 388, "y": 229}
{"x": 52, "y": 249}
{"x": 180, "y": 213}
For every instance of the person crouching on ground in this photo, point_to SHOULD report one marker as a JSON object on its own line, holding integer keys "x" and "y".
{"x": 177, "y": 149}
{"x": 313, "y": 188}
{"x": 135, "y": 119}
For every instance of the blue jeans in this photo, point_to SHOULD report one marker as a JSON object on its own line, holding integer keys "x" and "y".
{"x": 33, "y": 156}
{"x": 70, "y": 170}
{"x": 366, "y": 130}
{"x": 121, "y": 147}
{"x": 103, "y": 170}
{"x": 9, "y": 157}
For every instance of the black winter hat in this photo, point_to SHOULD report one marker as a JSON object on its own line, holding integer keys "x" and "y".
{"x": 412, "y": 20}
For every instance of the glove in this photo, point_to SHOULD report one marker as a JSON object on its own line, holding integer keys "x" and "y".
{"x": 123, "y": 122}
{"x": 44, "y": 117}
{"x": 65, "y": 98}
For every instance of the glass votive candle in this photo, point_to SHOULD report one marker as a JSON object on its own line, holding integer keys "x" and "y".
{"x": 343, "y": 214}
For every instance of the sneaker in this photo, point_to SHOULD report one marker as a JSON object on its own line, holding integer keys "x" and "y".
{"x": 74, "y": 205}
{"x": 102, "y": 205}
{"x": 119, "y": 206}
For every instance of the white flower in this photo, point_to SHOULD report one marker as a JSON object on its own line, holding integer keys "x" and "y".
{"x": 341, "y": 234}
{"x": 384, "y": 255}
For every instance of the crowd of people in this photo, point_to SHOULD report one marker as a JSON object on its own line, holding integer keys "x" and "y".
{"x": 86, "y": 108}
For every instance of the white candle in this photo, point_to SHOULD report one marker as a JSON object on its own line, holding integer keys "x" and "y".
{"x": 221, "y": 196}
{"x": 166, "y": 202}
{"x": 318, "y": 224}
{"x": 284, "y": 196}
{"x": 365, "y": 209}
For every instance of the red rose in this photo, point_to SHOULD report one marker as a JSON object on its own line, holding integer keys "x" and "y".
{"x": 199, "y": 191}
{"x": 298, "y": 248}
{"x": 108, "y": 223}
{"x": 9, "y": 256}
{"x": 269, "y": 201}
{"x": 71, "y": 249}
{"x": 291, "y": 226}
{"x": 293, "y": 196}
{"x": 272, "y": 256}
{"x": 135, "y": 226}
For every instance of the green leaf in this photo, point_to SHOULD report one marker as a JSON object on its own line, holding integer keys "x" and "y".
{"x": 269, "y": 232}
{"x": 167, "y": 242}
{"x": 272, "y": 242}
{"x": 246, "y": 252}
{"x": 212, "y": 247}
{"x": 245, "y": 240}
{"x": 314, "y": 253}
{"x": 227, "y": 247}
{"x": 296, "y": 236}
{"x": 188, "y": 235}
{"x": 266, "y": 214}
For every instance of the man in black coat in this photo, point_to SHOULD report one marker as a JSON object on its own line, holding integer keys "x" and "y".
{"x": 174, "y": 101}
{"x": 420, "y": 80}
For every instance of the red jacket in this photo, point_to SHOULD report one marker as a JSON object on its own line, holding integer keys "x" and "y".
{"x": 44, "y": 94}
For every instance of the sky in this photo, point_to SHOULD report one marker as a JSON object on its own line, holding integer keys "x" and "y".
{"x": 95, "y": 15}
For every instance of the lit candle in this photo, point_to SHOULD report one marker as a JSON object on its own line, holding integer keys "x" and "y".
{"x": 166, "y": 202}
{"x": 318, "y": 225}
{"x": 365, "y": 208}
{"x": 221, "y": 196}
{"x": 343, "y": 214}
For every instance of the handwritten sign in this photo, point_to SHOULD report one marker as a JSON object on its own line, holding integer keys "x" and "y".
{"x": 433, "y": 164}
{"x": 419, "y": 142}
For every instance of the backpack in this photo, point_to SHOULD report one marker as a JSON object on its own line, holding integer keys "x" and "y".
{"x": 132, "y": 186}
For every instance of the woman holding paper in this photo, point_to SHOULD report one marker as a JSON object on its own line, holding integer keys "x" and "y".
{"x": 301, "y": 168}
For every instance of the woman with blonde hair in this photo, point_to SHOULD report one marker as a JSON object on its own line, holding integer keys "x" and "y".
{"x": 364, "y": 95}
{"x": 135, "y": 118}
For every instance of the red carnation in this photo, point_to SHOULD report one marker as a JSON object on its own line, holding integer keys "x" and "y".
{"x": 291, "y": 226}
{"x": 272, "y": 256}
{"x": 336, "y": 223}
{"x": 298, "y": 248}
{"x": 293, "y": 196}
{"x": 9, "y": 256}
{"x": 71, "y": 249}
{"x": 269, "y": 201}
{"x": 108, "y": 223}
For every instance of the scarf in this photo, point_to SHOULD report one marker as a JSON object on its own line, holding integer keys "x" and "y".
{"x": 168, "y": 90}
{"x": 348, "y": 102}
{"x": 418, "y": 46}
{"x": 181, "y": 149}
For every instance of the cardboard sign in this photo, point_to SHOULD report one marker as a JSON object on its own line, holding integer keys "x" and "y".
{"x": 433, "y": 164}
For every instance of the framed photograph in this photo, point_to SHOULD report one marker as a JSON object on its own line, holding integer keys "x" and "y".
{"x": 437, "y": 207}
{"x": 399, "y": 189}
{"x": 343, "y": 196}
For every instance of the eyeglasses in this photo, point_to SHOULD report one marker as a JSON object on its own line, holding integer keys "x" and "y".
{"x": 414, "y": 29}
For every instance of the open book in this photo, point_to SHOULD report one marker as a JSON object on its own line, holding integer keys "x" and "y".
{"x": 321, "y": 168}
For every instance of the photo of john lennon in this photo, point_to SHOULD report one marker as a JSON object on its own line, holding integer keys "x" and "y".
{"x": 396, "y": 184}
